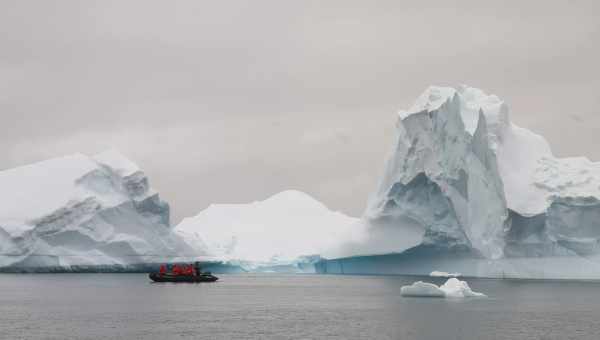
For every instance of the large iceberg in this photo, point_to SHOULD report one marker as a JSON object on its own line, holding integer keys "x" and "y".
{"x": 84, "y": 212}
{"x": 468, "y": 191}
{"x": 275, "y": 234}
{"x": 99, "y": 213}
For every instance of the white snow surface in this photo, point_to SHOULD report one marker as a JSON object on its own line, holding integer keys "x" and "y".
{"x": 31, "y": 191}
{"x": 453, "y": 288}
{"x": 81, "y": 210}
{"x": 117, "y": 162}
{"x": 283, "y": 227}
{"x": 422, "y": 289}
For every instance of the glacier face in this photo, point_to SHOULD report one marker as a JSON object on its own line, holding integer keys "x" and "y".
{"x": 277, "y": 232}
{"x": 467, "y": 189}
{"x": 84, "y": 211}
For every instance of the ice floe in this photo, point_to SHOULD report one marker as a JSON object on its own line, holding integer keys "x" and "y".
{"x": 453, "y": 288}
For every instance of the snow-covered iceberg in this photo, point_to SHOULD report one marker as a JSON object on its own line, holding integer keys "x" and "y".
{"x": 79, "y": 212}
{"x": 272, "y": 234}
{"x": 99, "y": 213}
{"x": 466, "y": 189}
{"x": 453, "y": 288}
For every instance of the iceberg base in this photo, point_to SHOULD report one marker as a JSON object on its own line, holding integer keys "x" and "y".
{"x": 214, "y": 267}
{"x": 418, "y": 262}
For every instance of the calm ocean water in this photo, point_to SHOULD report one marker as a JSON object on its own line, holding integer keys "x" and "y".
{"x": 128, "y": 306}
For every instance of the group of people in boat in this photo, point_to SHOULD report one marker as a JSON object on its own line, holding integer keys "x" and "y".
{"x": 181, "y": 269}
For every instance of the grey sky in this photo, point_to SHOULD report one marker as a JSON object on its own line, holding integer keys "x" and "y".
{"x": 231, "y": 101}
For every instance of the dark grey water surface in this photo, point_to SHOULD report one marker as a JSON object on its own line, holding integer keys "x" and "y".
{"x": 108, "y": 306}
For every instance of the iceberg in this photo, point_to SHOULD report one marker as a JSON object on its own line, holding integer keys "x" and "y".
{"x": 80, "y": 212}
{"x": 468, "y": 190}
{"x": 453, "y": 288}
{"x": 422, "y": 289}
{"x": 99, "y": 213}
{"x": 437, "y": 273}
{"x": 276, "y": 234}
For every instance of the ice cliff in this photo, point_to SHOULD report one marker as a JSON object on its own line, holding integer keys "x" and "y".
{"x": 84, "y": 211}
{"x": 467, "y": 189}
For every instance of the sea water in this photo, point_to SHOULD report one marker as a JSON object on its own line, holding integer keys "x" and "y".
{"x": 129, "y": 306}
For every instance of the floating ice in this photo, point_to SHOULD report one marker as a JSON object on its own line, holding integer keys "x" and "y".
{"x": 453, "y": 288}
{"x": 422, "y": 289}
{"x": 436, "y": 273}
{"x": 456, "y": 288}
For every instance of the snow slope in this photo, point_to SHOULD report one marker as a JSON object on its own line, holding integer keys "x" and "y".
{"x": 275, "y": 231}
{"x": 463, "y": 179}
{"x": 84, "y": 211}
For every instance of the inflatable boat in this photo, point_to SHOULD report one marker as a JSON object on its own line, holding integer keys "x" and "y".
{"x": 168, "y": 277}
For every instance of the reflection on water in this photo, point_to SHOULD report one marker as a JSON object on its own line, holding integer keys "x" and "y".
{"x": 102, "y": 306}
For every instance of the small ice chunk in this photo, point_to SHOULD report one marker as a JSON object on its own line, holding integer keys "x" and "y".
{"x": 436, "y": 273}
{"x": 453, "y": 288}
{"x": 422, "y": 289}
{"x": 456, "y": 288}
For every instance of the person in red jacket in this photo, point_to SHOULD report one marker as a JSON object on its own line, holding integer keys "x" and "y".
{"x": 163, "y": 269}
{"x": 176, "y": 270}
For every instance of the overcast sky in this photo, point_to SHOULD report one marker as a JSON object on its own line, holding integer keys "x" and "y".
{"x": 232, "y": 101}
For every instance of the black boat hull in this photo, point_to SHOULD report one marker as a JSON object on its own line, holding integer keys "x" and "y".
{"x": 156, "y": 277}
